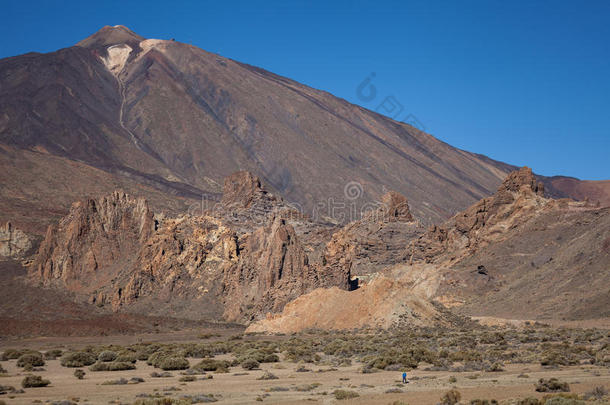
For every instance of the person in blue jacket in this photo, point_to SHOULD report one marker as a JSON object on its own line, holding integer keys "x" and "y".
{"x": 404, "y": 377}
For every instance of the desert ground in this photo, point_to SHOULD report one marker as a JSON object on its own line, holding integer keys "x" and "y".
{"x": 305, "y": 371}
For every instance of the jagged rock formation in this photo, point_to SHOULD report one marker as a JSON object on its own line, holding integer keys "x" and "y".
{"x": 376, "y": 241}
{"x": 96, "y": 233}
{"x": 518, "y": 255}
{"x": 519, "y": 197}
{"x": 14, "y": 243}
{"x": 114, "y": 252}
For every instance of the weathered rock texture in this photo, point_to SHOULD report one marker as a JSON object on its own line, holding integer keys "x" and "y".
{"x": 519, "y": 255}
{"x": 14, "y": 242}
{"x": 518, "y": 199}
{"x": 382, "y": 303}
{"x": 376, "y": 241}
{"x": 114, "y": 252}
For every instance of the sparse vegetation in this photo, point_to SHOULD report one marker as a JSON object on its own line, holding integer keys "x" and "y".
{"x": 80, "y": 374}
{"x": 471, "y": 351}
{"x": 34, "y": 381}
{"x": 250, "y": 364}
{"x": 174, "y": 363}
{"x": 32, "y": 359}
{"x": 451, "y": 397}
{"x": 107, "y": 355}
{"x": 552, "y": 385}
{"x": 344, "y": 394}
{"x": 112, "y": 366}
{"x": 77, "y": 359}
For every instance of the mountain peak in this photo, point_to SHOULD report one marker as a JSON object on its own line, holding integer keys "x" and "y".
{"x": 111, "y": 35}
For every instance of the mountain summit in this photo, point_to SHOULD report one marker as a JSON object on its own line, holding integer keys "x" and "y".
{"x": 169, "y": 121}
{"x": 111, "y": 35}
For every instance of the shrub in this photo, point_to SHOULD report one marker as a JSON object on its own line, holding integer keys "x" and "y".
{"x": 483, "y": 402}
{"x": 552, "y": 385}
{"x": 187, "y": 378}
{"x": 221, "y": 366}
{"x": 597, "y": 393}
{"x": 250, "y": 364}
{"x": 344, "y": 394}
{"x": 31, "y": 359}
{"x": 7, "y": 389}
{"x": 52, "y": 354}
{"x": 33, "y": 381}
{"x": 174, "y": 363}
{"x": 112, "y": 366}
{"x": 451, "y": 397}
{"x": 495, "y": 367}
{"x": 127, "y": 357}
{"x": 77, "y": 359}
{"x": 107, "y": 355}
{"x": 563, "y": 401}
{"x": 80, "y": 374}
{"x": 11, "y": 354}
{"x": 529, "y": 401}
{"x": 452, "y": 379}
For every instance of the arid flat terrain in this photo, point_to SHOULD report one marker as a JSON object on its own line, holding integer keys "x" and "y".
{"x": 504, "y": 364}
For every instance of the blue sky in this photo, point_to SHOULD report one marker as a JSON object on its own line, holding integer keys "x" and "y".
{"x": 525, "y": 82}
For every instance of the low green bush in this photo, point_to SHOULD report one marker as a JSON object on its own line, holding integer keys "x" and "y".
{"x": 174, "y": 363}
{"x": 77, "y": 359}
{"x": 52, "y": 354}
{"x": 107, "y": 355}
{"x": 112, "y": 366}
{"x": 212, "y": 365}
{"x": 34, "y": 381}
{"x": 30, "y": 359}
{"x": 344, "y": 394}
{"x": 250, "y": 364}
{"x": 80, "y": 374}
{"x": 552, "y": 385}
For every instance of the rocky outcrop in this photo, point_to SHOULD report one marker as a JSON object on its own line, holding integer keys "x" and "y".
{"x": 113, "y": 252}
{"x": 14, "y": 243}
{"x": 243, "y": 190}
{"x": 382, "y": 303}
{"x": 376, "y": 241}
{"x": 89, "y": 247}
{"x": 273, "y": 269}
{"x": 518, "y": 199}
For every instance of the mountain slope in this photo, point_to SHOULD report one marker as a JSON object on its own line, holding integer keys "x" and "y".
{"x": 176, "y": 118}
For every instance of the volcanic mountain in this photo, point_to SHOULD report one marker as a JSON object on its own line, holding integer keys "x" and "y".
{"x": 168, "y": 121}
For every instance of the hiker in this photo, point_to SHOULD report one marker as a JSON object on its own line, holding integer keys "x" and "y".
{"x": 404, "y": 377}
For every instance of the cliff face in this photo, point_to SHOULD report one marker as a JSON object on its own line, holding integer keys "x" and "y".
{"x": 222, "y": 264}
{"x": 89, "y": 247}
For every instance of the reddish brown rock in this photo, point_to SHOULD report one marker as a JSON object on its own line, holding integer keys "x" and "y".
{"x": 375, "y": 242}
{"x": 519, "y": 197}
{"x": 113, "y": 253}
{"x": 97, "y": 232}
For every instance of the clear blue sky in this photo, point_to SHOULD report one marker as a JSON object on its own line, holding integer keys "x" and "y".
{"x": 524, "y": 82}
